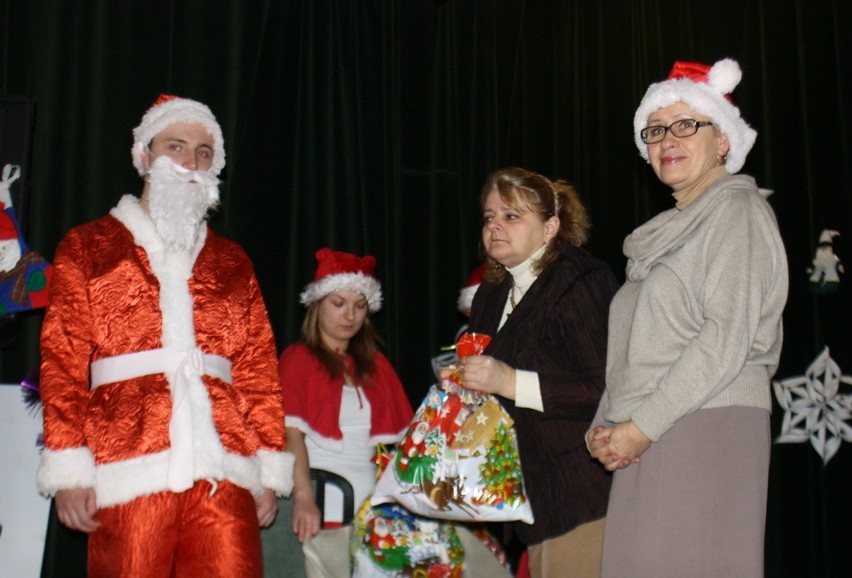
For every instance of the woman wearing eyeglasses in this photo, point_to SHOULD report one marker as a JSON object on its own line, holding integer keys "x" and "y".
{"x": 694, "y": 338}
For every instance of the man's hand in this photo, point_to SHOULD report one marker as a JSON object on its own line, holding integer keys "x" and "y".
{"x": 76, "y": 509}
{"x": 267, "y": 507}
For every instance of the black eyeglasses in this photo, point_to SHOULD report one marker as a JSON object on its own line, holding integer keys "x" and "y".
{"x": 680, "y": 129}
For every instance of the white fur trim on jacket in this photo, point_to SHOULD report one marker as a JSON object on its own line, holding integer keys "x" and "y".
{"x": 706, "y": 99}
{"x": 276, "y": 471}
{"x": 120, "y": 482}
{"x": 333, "y": 445}
{"x": 65, "y": 469}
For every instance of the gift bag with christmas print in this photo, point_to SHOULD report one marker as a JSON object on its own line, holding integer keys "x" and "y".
{"x": 389, "y": 541}
{"x": 459, "y": 458}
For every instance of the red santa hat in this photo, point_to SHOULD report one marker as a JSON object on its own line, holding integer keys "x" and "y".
{"x": 339, "y": 271}
{"x": 469, "y": 290}
{"x": 168, "y": 110}
{"x": 706, "y": 90}
{"x": 8, "y": 229}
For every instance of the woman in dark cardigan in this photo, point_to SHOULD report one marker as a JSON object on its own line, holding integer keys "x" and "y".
{"x": 545, "y": 302}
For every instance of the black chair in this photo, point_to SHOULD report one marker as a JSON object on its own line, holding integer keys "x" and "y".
{"x": 323, "y": 478}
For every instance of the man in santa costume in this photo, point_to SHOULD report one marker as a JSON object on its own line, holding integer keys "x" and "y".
{"x": 163, "y": 425}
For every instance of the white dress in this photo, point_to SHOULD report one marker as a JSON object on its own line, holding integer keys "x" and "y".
{"x": 353, "y": 463}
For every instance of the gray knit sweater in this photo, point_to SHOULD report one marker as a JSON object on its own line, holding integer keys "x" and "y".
{"x": 698, "y": 322}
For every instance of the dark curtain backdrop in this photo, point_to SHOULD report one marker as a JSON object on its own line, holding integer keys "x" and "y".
{"x": 369, "y": 126}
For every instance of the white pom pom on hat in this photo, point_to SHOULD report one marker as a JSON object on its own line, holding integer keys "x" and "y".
{"x": 724, "y": 76}
{"x": 168, "y": 110}
{"x": 706, "y": 90}
{"x": 339, "y": 271}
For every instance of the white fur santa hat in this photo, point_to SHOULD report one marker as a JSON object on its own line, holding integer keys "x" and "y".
{"x": 168, "y": 110}
{"x": 467, "y": 292}
{"x": 707, "y": 91}
{"x": 339, "y": 271}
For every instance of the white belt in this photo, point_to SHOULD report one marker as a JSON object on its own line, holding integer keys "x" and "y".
{"x": 182, "y": 367}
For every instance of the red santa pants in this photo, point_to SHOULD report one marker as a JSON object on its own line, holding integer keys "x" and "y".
{"x": 170, "y": 535}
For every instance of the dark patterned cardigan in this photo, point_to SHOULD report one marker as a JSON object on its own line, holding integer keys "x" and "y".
{"x": 559, "y": 330}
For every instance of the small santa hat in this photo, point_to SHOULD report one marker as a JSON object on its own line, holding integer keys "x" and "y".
{"x": 168, "y": 110}
{"x": 826, "y": 238}
{"x": 707, "y": 91}
{"x": 339, "y": 271}
{"x": 469, "y": 290}
{"x": 8, "y": 229}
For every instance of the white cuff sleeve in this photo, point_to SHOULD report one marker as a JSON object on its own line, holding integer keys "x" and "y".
{"x": 276, "y": 471}
{"x": 528, "y": 390}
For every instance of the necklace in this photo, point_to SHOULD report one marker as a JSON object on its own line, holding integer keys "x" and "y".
{"x": 512, "y": 298}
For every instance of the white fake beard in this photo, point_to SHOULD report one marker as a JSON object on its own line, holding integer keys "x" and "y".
{"x": 10, "y": 254}
{"x": 178, "y": 201}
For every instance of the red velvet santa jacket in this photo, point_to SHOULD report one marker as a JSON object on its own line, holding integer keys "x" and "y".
{"x": 116, "y": 291}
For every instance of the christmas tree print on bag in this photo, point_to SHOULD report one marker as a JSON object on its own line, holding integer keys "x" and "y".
{"x": 459, "y": 458}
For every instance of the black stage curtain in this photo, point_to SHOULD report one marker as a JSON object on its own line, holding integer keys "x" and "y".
{"x": 369, "y": 126}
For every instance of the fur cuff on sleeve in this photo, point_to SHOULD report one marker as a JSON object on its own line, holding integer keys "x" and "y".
{"x": 65, "y": 469}
{"x": 276, "y": 471}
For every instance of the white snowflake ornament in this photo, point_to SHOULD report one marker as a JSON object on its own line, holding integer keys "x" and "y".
{"x": 814, "y": 408}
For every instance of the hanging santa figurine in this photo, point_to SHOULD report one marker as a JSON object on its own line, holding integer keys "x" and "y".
{"x": 24, "y": 274}
{"x": 826, "y": 266}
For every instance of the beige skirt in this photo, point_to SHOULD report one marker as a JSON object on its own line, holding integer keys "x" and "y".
{"x": 696, "y": 504}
